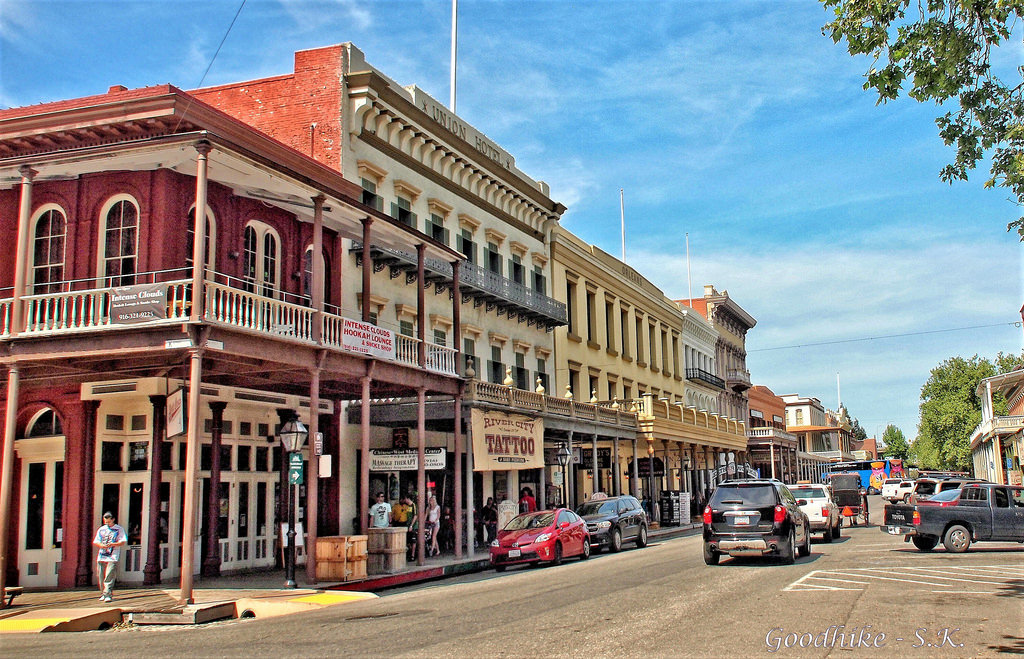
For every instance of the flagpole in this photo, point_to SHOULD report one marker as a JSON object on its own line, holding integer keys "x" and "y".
{"x": 622, "y": 220}
{"x": 689, "y": 284}
{"x": 455, "y": 35}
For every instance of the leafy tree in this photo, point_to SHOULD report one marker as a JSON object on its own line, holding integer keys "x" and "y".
{"x": 857, "y": 432}
{"x": 951, "y": 410}
{"x": 924, "y": 454}
{"x": 941, "y": 50}
{"x": 896, "y": 445}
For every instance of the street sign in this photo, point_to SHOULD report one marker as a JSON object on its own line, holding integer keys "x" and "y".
{"x": 296, "y": 474}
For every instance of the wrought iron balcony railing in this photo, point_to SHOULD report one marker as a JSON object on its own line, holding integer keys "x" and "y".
{"x": 700, "y": 375}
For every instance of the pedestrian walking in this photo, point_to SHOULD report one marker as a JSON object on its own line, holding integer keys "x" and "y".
{"x": 109, "y": 538}
{"x": 433, "y": 524}
{"x": 527, "y": 504}
{"x": 490, "y": 519}
{"x": 380, "y": 513}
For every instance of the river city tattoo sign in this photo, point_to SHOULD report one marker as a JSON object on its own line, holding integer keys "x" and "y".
{"x": 506, "y": 441}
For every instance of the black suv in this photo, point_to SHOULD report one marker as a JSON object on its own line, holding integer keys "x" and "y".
{"x": 755, "y": 517}
{"x": 614, "y": 520}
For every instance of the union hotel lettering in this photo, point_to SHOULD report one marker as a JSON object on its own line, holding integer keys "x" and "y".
{"x": 465, "y": 132}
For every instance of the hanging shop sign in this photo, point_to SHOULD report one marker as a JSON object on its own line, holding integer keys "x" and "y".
{"x": 506, "y": 441}
{"x": 368, "y": 339}
{"x": 382, "y": 459}
{"x": 604, "y": 458}
{"x": 138, "y": 304}
{"x": 177, "y": 413}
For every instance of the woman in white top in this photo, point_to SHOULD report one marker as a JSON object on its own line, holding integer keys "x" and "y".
{"x": 434, "y": 525}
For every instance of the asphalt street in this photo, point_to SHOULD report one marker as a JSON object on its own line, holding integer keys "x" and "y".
{"x": 867, "y": 593}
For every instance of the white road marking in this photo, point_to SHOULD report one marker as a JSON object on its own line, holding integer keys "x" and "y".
{"x": 908, "y": 575}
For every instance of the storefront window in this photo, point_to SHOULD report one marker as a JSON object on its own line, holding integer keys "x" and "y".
{"x": 137, "y": 456}
{"x": 110, "y": 456}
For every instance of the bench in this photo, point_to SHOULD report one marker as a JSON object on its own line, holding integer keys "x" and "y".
{"x": 10, "y": 592}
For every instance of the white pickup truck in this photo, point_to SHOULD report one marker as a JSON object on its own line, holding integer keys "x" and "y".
{"x": 897, "y": 489}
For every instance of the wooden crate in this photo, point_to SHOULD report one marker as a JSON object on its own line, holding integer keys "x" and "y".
{"x": 385, "y": 563}
{"x": 332, "y": 570}
{"x": 356, "y": 570}
{"x": 356, "y": 548}
{"x": 387, "y": 540}
{"x": 332, "y": 548}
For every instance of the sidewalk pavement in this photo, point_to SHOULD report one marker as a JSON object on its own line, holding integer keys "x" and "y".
{"x": 251, "y": 594}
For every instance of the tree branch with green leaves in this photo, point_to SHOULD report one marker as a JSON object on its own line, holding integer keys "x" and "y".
{"x": 940, "y": 50}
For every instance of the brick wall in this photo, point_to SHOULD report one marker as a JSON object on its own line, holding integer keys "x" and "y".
{"x": 286, "y": 107}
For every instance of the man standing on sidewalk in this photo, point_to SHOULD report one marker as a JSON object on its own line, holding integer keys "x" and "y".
{"x": 109, "y": 538}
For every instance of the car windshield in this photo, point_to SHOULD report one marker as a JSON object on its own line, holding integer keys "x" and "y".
{"x": 804, "y": 492}
{"x": 531, "y": 521}
{"x": 596, "y": 508}
{"x": 947, "y": 495}
{"x": 748, "y": 494}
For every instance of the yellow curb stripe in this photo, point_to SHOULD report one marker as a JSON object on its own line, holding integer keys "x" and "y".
{"x": 22, "y": 624}
{"x": 326, "y": 599}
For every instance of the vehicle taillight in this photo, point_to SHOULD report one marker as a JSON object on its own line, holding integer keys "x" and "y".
{"x": 707, "y": 515}
{"x": 824, "y": 511}
{"x": 780, "y": 514}
{"x": 917, "y": 518}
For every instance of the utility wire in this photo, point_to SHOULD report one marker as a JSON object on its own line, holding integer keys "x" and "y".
{"x": 884, "y": 336}
{"x": 212, "y": 59}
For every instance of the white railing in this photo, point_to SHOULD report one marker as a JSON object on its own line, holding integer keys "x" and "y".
{"x": 256, "y": 313}
{"x": 89, "y": 310}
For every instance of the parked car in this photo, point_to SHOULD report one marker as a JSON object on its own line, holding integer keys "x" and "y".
{"x": 546, "y": 536}
{"x": 755, "y": 517}
{"x": 614, "y": 520}
{"x": 925, "y": 488}
{"x": 943, "y": 498}
{"x": 897, "y": 489}
{"x": 982, "y": 511}
{"x": 822, "y": 512}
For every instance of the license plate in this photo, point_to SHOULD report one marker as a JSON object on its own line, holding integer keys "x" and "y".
{"x": 514, "y": 553}
{"x": 740, "y": 521}
{"x": 895, "y": 530}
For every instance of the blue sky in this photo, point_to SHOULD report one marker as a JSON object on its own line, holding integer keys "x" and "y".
{"x": 736, "y": 122}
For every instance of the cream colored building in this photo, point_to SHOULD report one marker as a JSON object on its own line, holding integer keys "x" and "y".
{"x": 627, "y": 344}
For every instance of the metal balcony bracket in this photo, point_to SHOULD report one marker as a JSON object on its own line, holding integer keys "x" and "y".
{"x": 359, "y": 260}
{"x": 440, "y": 287}
{"x": 410, "y": 278}
{"x": 395, "y": 272}
{"x": 478, "y": 302}
{"x": 378, "y": 266}
{"x": 490, "y": 306}
{"x": 466, "y": 297}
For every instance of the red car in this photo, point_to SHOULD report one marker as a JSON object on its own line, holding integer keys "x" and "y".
{"x": 545, "y": 536}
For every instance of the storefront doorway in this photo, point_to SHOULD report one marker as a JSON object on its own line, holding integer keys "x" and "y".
{"x": 40, "y": 525}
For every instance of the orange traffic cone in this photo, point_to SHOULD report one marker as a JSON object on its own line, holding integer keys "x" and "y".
{"x": 847, "y": 512}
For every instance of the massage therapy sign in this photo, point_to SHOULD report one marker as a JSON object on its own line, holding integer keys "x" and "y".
{"x": 506, "y": 441}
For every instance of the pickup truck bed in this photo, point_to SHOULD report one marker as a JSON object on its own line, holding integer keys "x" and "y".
{"x": 985, "y": 511}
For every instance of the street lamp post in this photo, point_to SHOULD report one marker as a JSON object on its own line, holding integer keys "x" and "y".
{"x": 293, "y": 436}
{"x": 564, "y": 456}
{"x": 650, "y": 476}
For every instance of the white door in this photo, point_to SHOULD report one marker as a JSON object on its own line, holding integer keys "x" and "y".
{"x": 40, "y": 527}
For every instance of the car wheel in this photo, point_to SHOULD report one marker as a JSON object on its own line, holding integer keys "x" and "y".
{"x": 557, "y": 560}
{"x": 827, "y": 535}
{"x": 586, "y": 550}
{"x": 924, "y": 542}
{"x": 616, "y": 543}
{"x": 805, "y": 550}
{"x": 499, "y": 568}
{"x": 787, "y": 549}
{"x": 710, "y": 557}
{"x": 641, "y": 538}
{"x": 906, "y": 498}
{"x": 957, "y": 540}
{"x": 837, "y": 531}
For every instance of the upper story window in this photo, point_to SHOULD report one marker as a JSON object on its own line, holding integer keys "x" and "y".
{"x": 467, "y": 246}
{"x": 260, "y": 266}
{"x": 211, "y": 240}
{"x": 434, "y": 227}
{"x": 516, "y": 270}
{"x": 370, "y": 196}
{"x": 46, "y": 424}
{"x": 493, "y": 258}
{"x": 120, "y": 241}
{"x": 540, "y": 282}
{"x": 307, "y": 276}
{"x": 401, "y": 210}
{"x": 48, "y": 251}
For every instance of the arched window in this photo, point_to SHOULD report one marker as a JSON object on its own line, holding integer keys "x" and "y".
{"x": 260, "y": 266}
{"x": 307, "y": 277}
{"x": 120, "y": 241}
{"x": 45, "y": 424}
{"x": 48, "y": 250}
{"x": 211, "y": 240}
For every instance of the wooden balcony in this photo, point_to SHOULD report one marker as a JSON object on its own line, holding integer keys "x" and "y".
{"x": 227, "y": 304}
